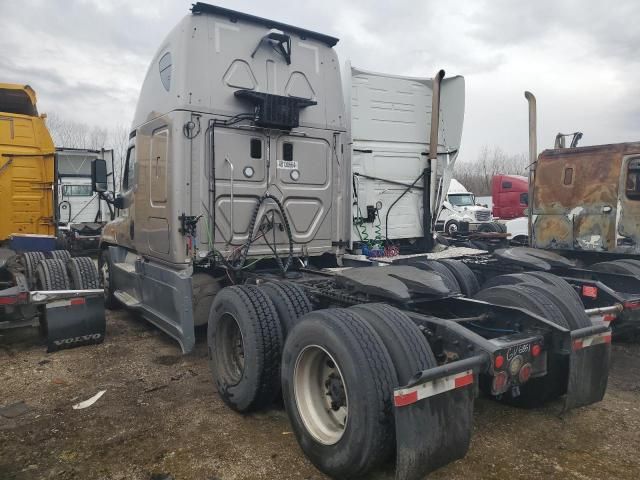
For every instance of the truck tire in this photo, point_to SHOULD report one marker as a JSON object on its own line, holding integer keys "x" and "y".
{"x": 83, "y": 273}
{"x": 537, "y": 390}
{"x": 616, "y": 267}
{"x": 574, "y": 314}
{"x": 448, "y": 277}
{"x": 291, "y": 303}
{"x": 464, "y": 275}
{"x": 563, "y": 287}
{"x": 408, "y": 348}
{"x": 244, "y": 341}
{"x": 51, "y": 274}
{"x": 104, "y": 268}
{"x": 337, "y": 387}
{"x": 60, "y": 254}
{"x": 30, "y": 260}
{"x": 451, "y": 228}
{"x": 524, "y": 297}
{"x": 510, "y": 279}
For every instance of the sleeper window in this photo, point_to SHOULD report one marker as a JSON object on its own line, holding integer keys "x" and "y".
{"x": 287, "y": 151}
{"x": 632, "y": 187}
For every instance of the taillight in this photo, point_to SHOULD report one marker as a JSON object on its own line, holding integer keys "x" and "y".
{"x": 515, "y": 365}
{"x": 589, "y": 291}
{"x": 535, "y": 350}
{"x": 500, "y": 382}
{"x": 525, "y": 373}
{"x": 77, "y": 301}
{"x": 498, "y": 361}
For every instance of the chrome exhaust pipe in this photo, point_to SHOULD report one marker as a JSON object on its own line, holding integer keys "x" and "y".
{"x": 430, "y": 173}
{"x": 533, "y": 157}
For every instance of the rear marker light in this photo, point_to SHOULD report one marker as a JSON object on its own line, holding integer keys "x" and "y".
{"x": 498, "y": 362}
{"x": 525, "y": 373}
{"x": 632, "y": 305}
{"x": 589, "y": 291}
{"x": 535, "y": 350}
{"x": 407, "y": 396}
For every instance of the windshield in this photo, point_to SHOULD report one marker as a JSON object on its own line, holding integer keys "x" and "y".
{"x": 462, "y": 200}
{"x": 16, "y": 101}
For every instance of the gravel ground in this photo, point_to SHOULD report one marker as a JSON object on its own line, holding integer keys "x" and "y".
{"x": 161, "y": 418}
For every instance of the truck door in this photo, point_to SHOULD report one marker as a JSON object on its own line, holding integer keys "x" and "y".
{"x": 300, "y": 174}
{"x": 240, "y": 179}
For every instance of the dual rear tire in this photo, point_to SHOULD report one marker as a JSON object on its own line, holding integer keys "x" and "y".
{"x": 336, "y": 370}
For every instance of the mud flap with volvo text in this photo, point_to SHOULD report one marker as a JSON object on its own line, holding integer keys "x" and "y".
{"x": 434, "y": 416}
{"x": 73, "y": 322}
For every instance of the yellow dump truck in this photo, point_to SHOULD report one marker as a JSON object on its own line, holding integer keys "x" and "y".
{"x": 26, "y": 165}
{"x": 37, "y": 282}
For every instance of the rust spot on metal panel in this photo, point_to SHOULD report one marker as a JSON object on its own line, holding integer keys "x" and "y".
{"x": 580, "y": 201}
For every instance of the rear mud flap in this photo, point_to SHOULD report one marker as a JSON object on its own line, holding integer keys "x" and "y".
{"x": 433, "y": 432}
{"x": 588, "y": 369}
{"x": 75, "y": 322}
{"x": 434, "y": 418}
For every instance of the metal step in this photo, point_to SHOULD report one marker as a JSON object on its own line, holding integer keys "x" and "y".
{"x": 127, "y": 267}
{"x": 127, "y": 299}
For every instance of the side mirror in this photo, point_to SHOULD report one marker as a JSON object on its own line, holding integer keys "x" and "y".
{"x": 99, "y": 175}
{"x": 118, "y": 202}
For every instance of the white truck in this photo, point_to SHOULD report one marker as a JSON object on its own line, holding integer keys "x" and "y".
{"x": 460, "y": 206}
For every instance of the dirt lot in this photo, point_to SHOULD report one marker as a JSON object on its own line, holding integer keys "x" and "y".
{"x": 160, "y": 418}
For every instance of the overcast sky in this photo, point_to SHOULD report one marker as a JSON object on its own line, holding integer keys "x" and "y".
{"x": 86, "y": 59}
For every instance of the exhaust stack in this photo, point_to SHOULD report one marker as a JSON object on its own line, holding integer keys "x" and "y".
{"x": 533, "y": 156}
{"x": 430, "y": 173}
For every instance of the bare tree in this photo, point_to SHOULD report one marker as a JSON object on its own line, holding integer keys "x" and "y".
{"x": 476, "y": 175}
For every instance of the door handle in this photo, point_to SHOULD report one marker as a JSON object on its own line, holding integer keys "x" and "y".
{"x": 606, "y": 209}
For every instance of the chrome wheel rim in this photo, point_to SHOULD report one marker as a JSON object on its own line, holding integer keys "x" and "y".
{"x": 321, "y": 395}
{"x": 230, "y": 349}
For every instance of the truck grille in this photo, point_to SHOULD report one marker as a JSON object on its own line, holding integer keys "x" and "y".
{"x": 483, "y": 215}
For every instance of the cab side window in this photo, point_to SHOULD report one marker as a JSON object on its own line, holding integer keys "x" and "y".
{"x": 129, "y": 179}
{"x": 632, "y": 186}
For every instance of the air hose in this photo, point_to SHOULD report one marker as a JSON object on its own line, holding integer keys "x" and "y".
{"x": 239, "y": 263}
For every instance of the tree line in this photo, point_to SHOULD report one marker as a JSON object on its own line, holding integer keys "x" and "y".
{"x": 476, "y": 174}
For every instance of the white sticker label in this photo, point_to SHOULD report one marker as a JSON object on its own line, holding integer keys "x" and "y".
{"x": 288, "y": 164}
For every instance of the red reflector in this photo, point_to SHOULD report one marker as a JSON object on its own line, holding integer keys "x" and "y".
{"x": 525, "y": 373}
{"x": 606, "y": 338}
{"x": 9, "y": 300}
{"x": 408, "y": 399}
{"x": 498, "y": 362}
{"x": 577, "y": 345}
{"x": 77, "y": 301}
{"x": 589, "y": 291}
{"x": 464, "y": 380}
{"x": 535, "y": 350}
{"x": 632, "y": 305}
{"x": 609, "y": 317}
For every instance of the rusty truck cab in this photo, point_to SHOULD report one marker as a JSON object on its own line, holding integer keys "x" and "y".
{"x": 587, "y": 199}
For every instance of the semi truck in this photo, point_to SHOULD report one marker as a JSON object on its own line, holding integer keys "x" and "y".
{"x": 235, "y": 213}
{"x": 582, "y": 225}
{"x": 509, "y": 196}
{"x": 80, "y": 211}
{"x": 39, "y": 283}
